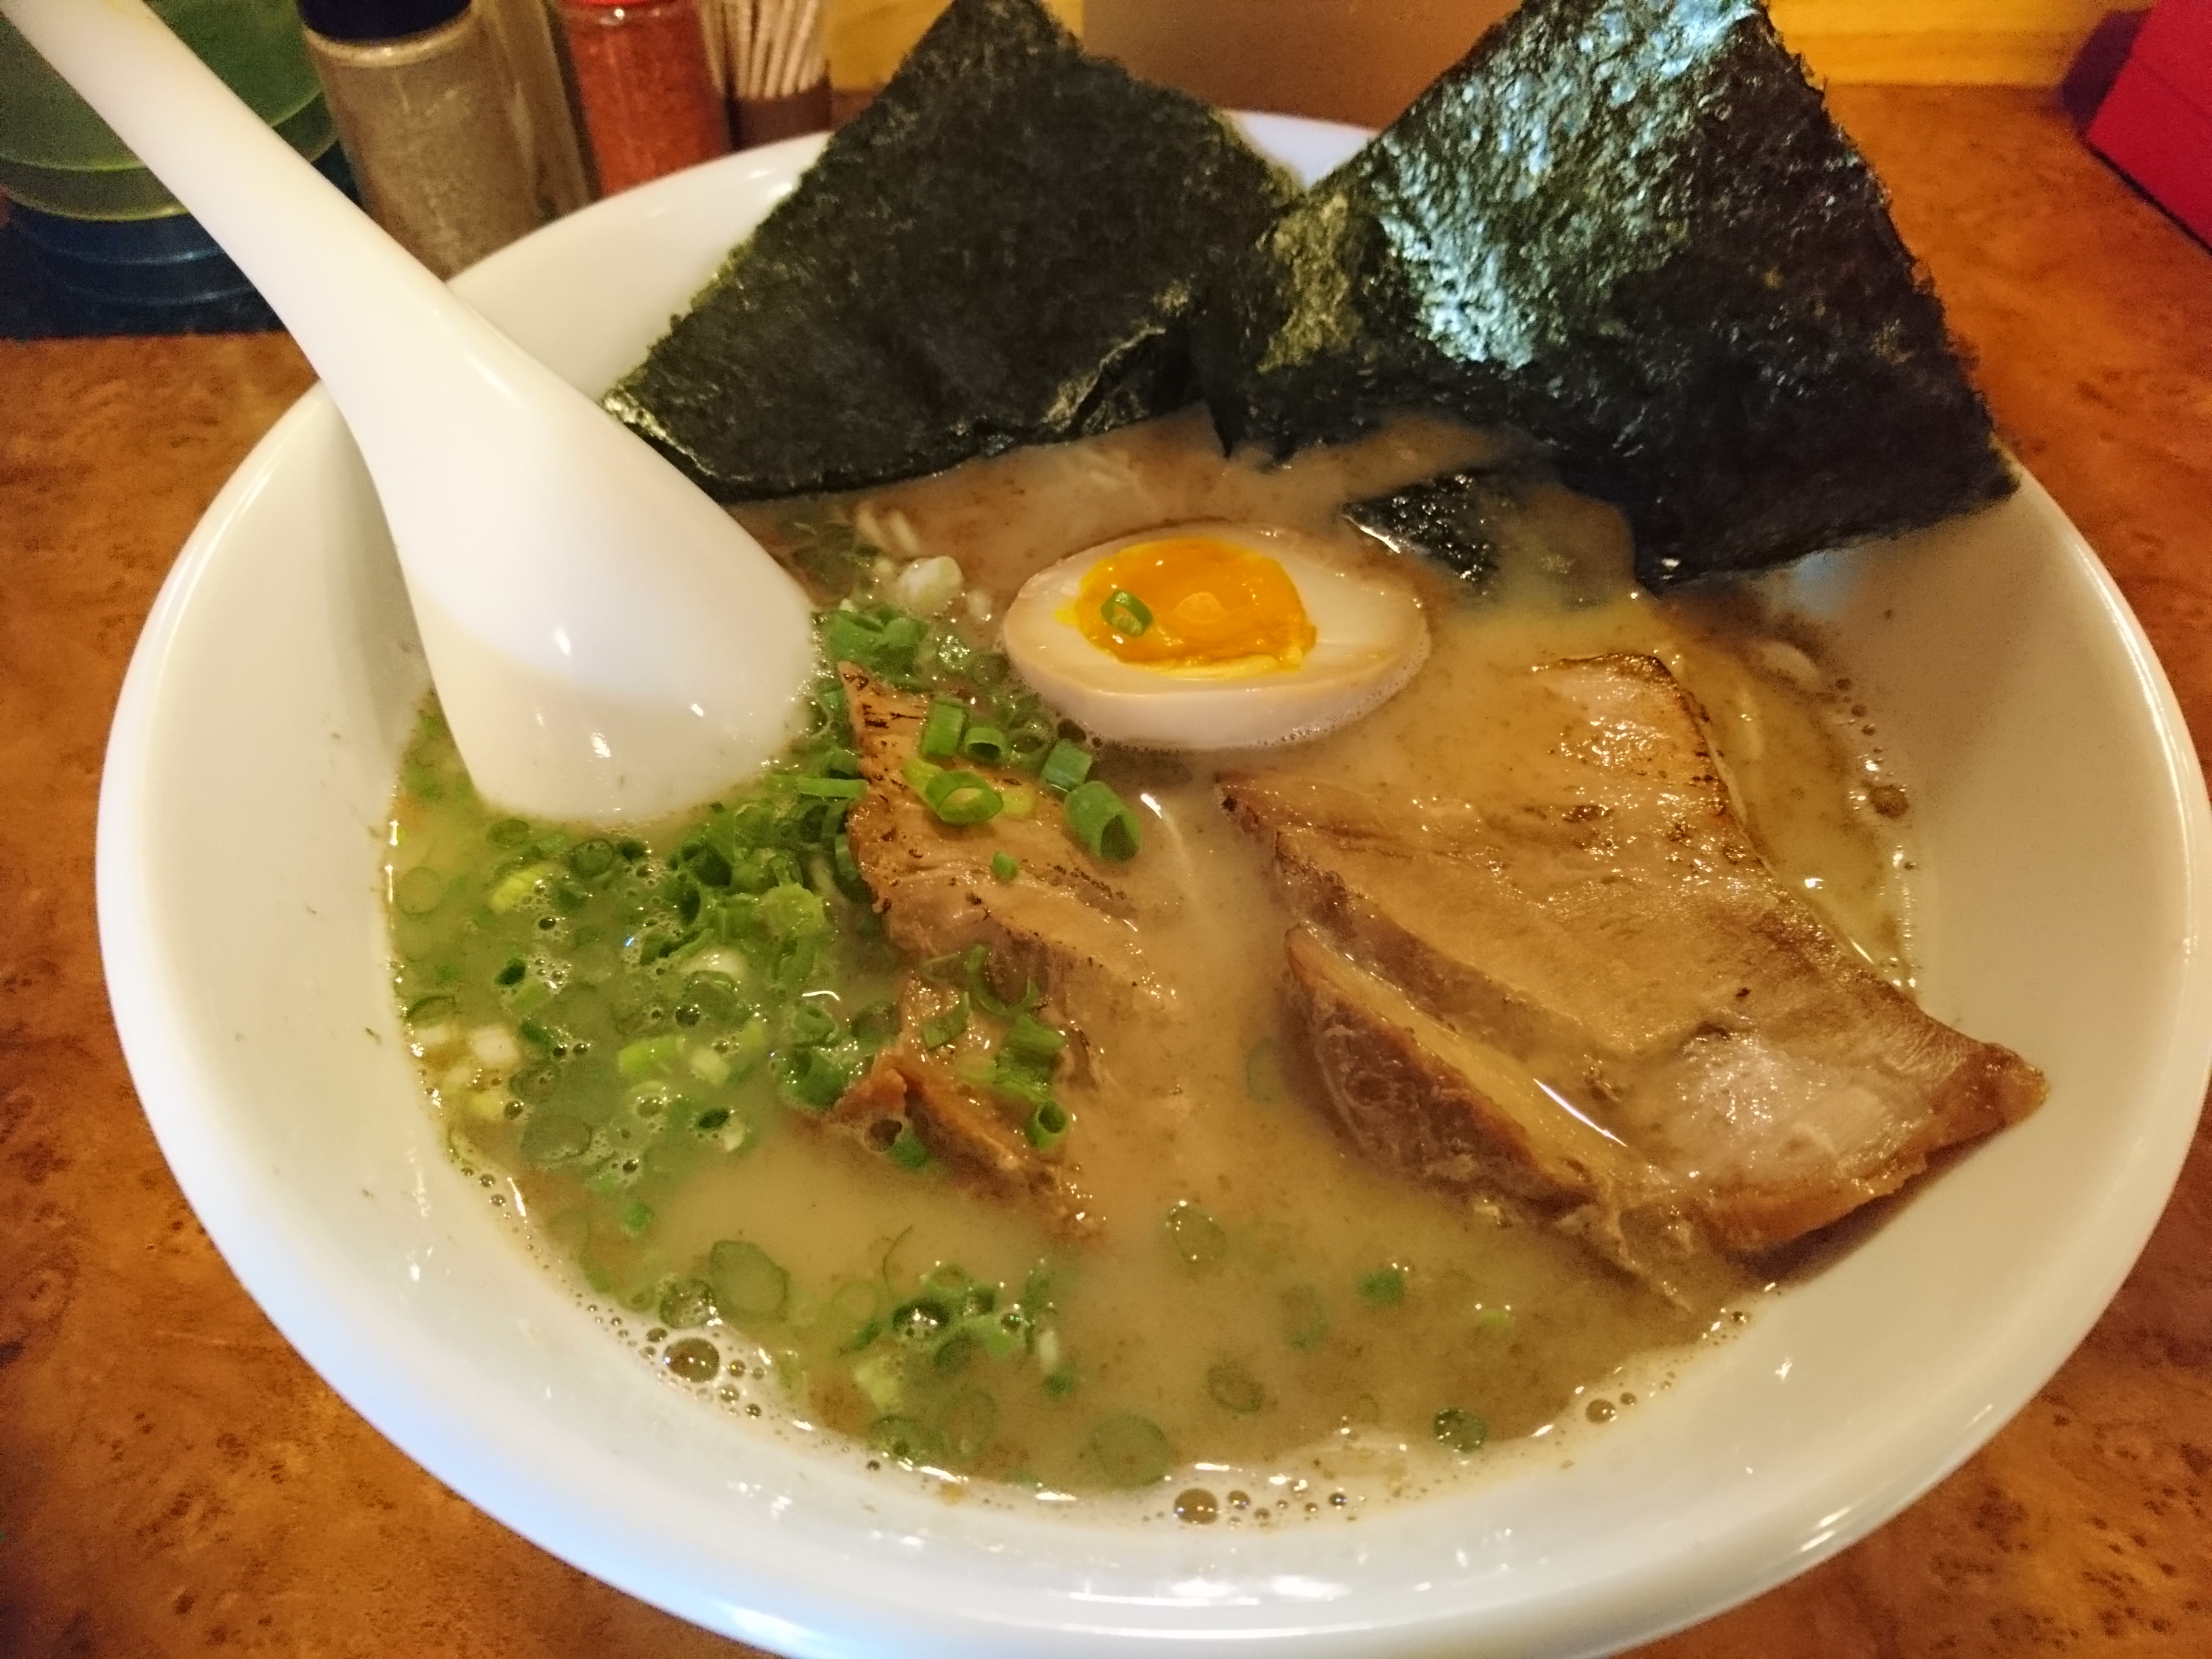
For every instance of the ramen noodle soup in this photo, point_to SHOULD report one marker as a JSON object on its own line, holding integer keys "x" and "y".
{"x": 1013, "y": 1211}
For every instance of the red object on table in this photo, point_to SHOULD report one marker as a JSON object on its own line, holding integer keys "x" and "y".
{"x": 649, "y": 100}
{"x": 2155, "y": 125}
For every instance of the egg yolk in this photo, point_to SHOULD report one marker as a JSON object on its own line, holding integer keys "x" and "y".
{"x": 1202, "y": 606}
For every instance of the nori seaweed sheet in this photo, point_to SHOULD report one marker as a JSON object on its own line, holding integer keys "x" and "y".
{"x": 1004, "y": 248}
{"x": 1629, "y": 228}
{"x": 1454, "y": 519}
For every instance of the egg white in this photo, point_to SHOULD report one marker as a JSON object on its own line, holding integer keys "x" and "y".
{"x": 1370, "y": 638}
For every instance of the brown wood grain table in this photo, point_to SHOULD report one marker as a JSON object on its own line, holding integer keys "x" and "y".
{"x": 173, "y": 1479}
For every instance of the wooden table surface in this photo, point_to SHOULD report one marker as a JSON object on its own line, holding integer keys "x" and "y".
{"x": 173, "y": 1479}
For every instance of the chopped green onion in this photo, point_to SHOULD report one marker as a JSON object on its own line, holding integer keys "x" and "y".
{"x": 904, "y": 1440}
{"x": 750, "y": 1047}
{"x": 940, "y": 1029}
{"x": 687, "y": 1304}
{"x": 1125, "y": 614}
{"x": 1305, "y": 1316}
{"x": 1264, "y": 1078}
{"x": 900, "y": 634}
{"x": 748, "y": 1284}
{"x": 1196, "y": 1237}
{"x": 811, "y": 1024}
{"x": 649, "y": 1056}
{"x": 508, "y": 832}
{"x": 906, "y": 1151}
{"x": 962, "y": 797}
{"x": 1131, "y": 1451}
{"x": 1028, "y": 744}
{"x": 789, "y": 910}
{"x": 814, "y": 1078}
{"x": 512, "y": 972}
{"x": 1031, "y": 1035}
{"x": 636, "y": 1218}
{"x": 847, "y": 866}
{"x": 590, "y": 860}
{"x": 831, "y": 789}
{"x": 707, "y": 864}
{"x": 1005, "y": 865}
{"x": 984, "y": 744}
{"x": 1018, "y": 802}
{"x": 847, "y": 638}
{"x": 852, "y": 1316}
{"x": 941, "y": 733}
{"x": 1384, "y": 1288}
{"x": 918, "y": 773}
{"x": 1462, "y": 1431}
{"x": 516, "y": 886}
{"x": 1107, "y": 828}
{"x": 876, "y": 1023}
{"x": 972, "y": 961}
{"x": 1019, "y": 1076}
{"x": 1048, "y": 1125}
{"x": 1234, "y": 1388}
{"x": 1067, "y": 765}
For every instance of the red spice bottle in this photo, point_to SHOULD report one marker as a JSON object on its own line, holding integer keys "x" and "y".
{"x": 649, "y": 99}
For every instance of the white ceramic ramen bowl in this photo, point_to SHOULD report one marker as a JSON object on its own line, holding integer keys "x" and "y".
{"x": 2062, "y": 825}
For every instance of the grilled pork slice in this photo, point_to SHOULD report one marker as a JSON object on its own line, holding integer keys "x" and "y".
{"x": 1586, "y": 991}
{"x": 904, "y": 1090}
{"x": 1066, "y": 924}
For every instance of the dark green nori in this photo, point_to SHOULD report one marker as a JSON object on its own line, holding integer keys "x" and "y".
{"x": 1004, "y": 248}
{"x": 1454, "y": 519}
{"x": 1629, "y": 228}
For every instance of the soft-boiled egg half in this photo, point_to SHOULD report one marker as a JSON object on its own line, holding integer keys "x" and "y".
{"x": 1213, "y": 637}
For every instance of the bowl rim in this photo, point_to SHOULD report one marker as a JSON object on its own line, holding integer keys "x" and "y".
{"x": 805, "y": 1613}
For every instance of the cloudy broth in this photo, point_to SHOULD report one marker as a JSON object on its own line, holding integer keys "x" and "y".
{"x": 1254, "y": 1292}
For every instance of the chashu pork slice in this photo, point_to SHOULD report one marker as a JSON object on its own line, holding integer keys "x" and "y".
{"x": 1598, "y": 929}
{"x": 1068, "y": 924}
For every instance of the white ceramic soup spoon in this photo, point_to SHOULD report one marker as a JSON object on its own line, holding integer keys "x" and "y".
{"x": 606, "y": 643}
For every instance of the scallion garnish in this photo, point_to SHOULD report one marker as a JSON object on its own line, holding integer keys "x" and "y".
{"x": 1031, "y": 1035}
{"x": 1005, "y": 865}
{"x": 906, "y": 1151}
{"x": 827, "y": 789}
{"x": 941, "y": 733}
{"x": 986, "y": 744}
{"x": 1065, "y": 765}
{"x": 918, "y": 773}
{"x": 847, "y": 866}
{"x": 1125, "y": 614}
{"x": 1461, "y": 1429}
{"x": 940, "y": 1029}
{"x": 1048, "y": 1125}
{"x": 972, "y": 961}
{"x": 1384, "y": 1288}
{"x": 1107, "y": 828}
{"x": 961, "y": 798}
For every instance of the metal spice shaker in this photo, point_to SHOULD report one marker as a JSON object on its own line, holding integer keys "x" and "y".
{"x": 648, "y": 95}
{"x": 417, "y": 94}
